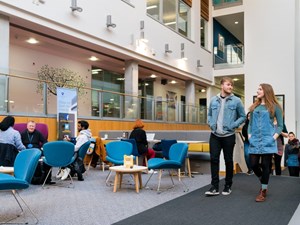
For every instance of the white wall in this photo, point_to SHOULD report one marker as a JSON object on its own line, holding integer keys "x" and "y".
{"x": 270, "y": 51}
{"x": 90, "y": 25}
{"x": 26, "y": 62}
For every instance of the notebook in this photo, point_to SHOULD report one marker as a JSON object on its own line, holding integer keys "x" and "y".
{"x": 150, "y": 136}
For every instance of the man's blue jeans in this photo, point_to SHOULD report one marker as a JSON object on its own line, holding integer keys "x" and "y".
{"x": 216, "y": 144}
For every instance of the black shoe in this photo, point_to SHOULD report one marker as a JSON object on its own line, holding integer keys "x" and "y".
{"x": 213, "y": 191}
{"x": 50, "y": 182}
{"x": 80, "y": 179}
{"x": 250, "y": 172}
{"x": 226, "y": 190}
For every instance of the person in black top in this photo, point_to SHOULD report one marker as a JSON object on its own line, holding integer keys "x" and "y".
{"x": 246, "y": 144}
{"x": 139, "y": 134}
{"x": 31, "y": 137}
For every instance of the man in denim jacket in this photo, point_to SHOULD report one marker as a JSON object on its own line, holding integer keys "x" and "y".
{"x": 226, "y": 113}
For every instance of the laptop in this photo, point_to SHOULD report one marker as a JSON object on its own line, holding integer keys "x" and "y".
{"x": 150, "y": 136}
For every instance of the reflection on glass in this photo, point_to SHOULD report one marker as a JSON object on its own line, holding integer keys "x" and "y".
{"x": 153, "y": 7}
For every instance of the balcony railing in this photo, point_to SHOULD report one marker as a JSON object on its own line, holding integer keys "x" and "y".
{"x": 218, "y": 4}
{"x": 232, "y": 56}
{"x": 19, "y": 96}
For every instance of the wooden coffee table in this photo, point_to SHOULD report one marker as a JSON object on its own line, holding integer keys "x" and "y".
{"x": 7, "y": 169}
{"x": 136, "y": 171}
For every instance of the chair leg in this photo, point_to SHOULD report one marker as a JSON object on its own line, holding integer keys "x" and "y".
{"x": 159, "y": 180}
{"x": 188, "y": 167}
{"x": 148, "y": 180}
{"x": 46, "y": 178}
{"x": 9, "y": 221}
{"x": 107, "y": 178}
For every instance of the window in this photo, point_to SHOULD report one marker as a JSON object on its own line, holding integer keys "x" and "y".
{"x": 153, "y": 8}
{"x": 172, "y": 13}
{"x": 204, "y": 33}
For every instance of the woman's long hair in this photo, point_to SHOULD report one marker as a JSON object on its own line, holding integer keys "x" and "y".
{"x": 138, "y": 124}
{"x": 7, "y": 122}
{"x": 270, "y": 99}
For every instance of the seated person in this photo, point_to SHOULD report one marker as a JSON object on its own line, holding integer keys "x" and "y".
{"x": 141, "y": 139}
{"x": 10, "y": 140}
{"x": 9, "y": 135}
{"x": 84, "y": 136}
{"x": 32, "y": 138}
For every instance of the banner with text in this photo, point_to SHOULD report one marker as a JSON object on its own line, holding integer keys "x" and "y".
{"x": 66, "y": 112}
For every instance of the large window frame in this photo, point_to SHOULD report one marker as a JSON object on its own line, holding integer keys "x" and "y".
{"x": 177, "y": 16}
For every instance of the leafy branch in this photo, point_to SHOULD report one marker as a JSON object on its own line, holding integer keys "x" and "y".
{"x": 59, "y": 77}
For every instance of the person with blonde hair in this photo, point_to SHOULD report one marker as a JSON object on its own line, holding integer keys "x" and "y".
{"x": 262, "y": 135}
{"x": 139, "y": 134}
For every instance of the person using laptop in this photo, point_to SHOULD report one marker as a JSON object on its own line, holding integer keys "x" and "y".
{"x": 139, "y": 134}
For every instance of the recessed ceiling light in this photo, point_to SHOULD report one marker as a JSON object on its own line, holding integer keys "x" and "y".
{"x": 173, "y": 82}
{"x": 32, "y": 41}
{"x": 235, "y": 79}
{"x": 153, "y": 76}
{"x": 93, "y": 58}
{"x": 236, "y": 22}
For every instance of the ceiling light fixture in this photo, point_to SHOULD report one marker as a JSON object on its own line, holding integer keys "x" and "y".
{"x": 32, "y": 41}
{"x": 153, "y": 76}
{"x": 109, "y": 23}
{"x": 93, "y": 58}
{"x": 151, "y": 7}
{"x": 173, "y": 82}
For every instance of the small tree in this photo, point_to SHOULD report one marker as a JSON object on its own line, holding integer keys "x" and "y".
{"x": 59, "y": 77}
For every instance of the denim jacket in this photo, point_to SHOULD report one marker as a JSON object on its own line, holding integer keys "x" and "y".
{"x": 234, "y": 113}
{"x": 262, "y": 130}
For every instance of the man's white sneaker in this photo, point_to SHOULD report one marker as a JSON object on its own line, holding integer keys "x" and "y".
{"x": 152, "y": 171}
{"x": 60, "y": 173}
{"x": 66, "y": 173}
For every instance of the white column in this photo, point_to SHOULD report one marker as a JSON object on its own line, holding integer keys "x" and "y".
{"x": 190, "y": 100}
{"x": 131, "y": 88}
{"x": 4, "y": 60}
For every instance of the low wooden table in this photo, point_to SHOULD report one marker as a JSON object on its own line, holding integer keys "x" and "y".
{"x": 7, "y": 169}
{"x": 136, "y": 171}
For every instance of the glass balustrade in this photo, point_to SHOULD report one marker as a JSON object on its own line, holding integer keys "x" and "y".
{"x": 29, "y": 97}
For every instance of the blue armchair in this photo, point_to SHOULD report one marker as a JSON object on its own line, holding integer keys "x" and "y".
{"x": 58, "y": 154}
{"x": 177, "y": 155}
{"x": 24, "y": 167}
{"x": 115, "y": 151}
{"x": 135, "y": 151}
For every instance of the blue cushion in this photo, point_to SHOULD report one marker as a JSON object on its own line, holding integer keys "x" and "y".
{"x": 8, "y": 182}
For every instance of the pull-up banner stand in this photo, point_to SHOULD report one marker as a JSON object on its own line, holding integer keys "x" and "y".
{"x": 66, "y": 112}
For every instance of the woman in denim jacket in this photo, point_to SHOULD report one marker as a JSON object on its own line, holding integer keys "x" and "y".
{"x": 262, "y": 134}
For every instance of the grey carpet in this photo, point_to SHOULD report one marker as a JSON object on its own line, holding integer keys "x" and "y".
{"x": 91, "y": 202}
{"x": 238, "y": 208}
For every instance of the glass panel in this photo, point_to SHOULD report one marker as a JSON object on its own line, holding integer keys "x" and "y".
{"x": 18, "y": 88}
{"x": 111, "y": 105}
{"x": 204, "y": 33}
{"x": 169, "y": 13}
{"x": 153, "y": 7}
{"x": 131, "y": 107}
{"x": 95, "y": 103}
{"x": 183, "y": 19}
{"x": 3, "y": 91}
